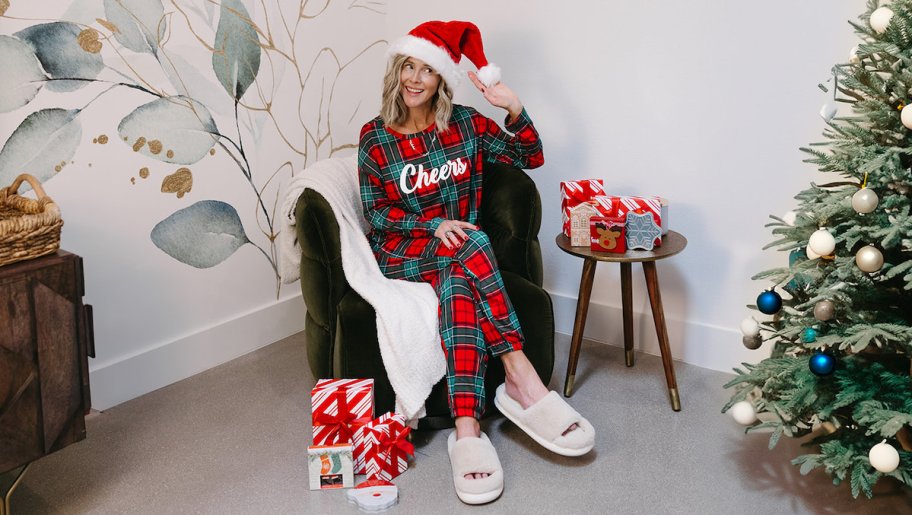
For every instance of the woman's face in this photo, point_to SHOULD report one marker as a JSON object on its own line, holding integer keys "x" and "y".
{"x": 418, "y": 83}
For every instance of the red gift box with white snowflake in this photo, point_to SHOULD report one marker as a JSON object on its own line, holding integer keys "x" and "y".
{"x": 574, "y": 193}
{"x": 382, "y": 448}
{"x": 339, "y": 408}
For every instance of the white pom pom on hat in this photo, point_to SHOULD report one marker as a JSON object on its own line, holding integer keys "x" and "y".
{"x": 442, "y": 44}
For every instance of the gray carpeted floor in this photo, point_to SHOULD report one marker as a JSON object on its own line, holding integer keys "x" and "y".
{"x": 233, "y": 440}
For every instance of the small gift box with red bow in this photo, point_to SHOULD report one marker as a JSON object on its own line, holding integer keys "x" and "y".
{"x": 383, "y": 444}
{"x": 339, "y": 408}
{"x": 574, "y": 193}
{"x": 607, "y": 234}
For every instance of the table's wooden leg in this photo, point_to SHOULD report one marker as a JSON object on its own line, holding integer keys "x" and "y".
{"x": 627, "y": 307}
{"x": 658, "y": 316}
{"x": 582, "y": 308}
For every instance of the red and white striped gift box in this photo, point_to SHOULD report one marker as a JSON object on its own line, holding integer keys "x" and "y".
{"x": 574, "y": 193}
{"x": 339, "y": 407}
{"x": 627, "y": 204}
{"x": 384, "y": 447}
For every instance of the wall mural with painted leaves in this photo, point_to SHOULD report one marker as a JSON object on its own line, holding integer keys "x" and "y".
{"x": 266, "y": 77}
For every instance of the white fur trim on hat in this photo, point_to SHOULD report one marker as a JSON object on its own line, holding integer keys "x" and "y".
{"x": 430, "y": 53}
{"x": 489, "y": 75}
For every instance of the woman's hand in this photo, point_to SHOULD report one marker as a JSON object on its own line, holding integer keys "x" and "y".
{"x": 452, "y": 232}
{"x": 499, "y": 95}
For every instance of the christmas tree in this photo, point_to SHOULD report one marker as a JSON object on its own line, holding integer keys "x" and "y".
{"x": 839, "y": 316}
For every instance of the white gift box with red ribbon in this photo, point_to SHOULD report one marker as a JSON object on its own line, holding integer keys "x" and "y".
{"x": 339, "y": 407}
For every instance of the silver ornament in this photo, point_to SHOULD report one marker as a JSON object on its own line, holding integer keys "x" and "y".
{"x": 865, "y": 200}
{"x": 824, "y": 310}
{"x": 869, "y": 259}
{"x": 752, "y": 342}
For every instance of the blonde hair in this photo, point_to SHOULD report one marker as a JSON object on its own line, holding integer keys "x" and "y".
{"x": 393, "y": 110}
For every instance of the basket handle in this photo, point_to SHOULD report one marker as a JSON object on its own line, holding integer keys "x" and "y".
{"x": 33, "y": 182}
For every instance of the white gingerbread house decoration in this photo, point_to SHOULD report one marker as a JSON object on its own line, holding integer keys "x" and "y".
{"x": 579, "y": 224}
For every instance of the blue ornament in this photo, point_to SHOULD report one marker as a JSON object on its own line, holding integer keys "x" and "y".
{"x": 822, "y": 364}
{"x": 809, "y": 335}
{"x": 769, "y": 302}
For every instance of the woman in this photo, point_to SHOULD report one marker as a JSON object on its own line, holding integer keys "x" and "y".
{"x": 420, "y": 169}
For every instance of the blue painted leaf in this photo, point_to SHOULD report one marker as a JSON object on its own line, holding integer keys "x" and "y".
{"x": 236, "y": 59}
{"x": 141, "y": 24}
{"x": 202, "y": 235}
{"x": 22, "y": 75}
{"x": 57, "y": 47}
{"x": 43, "y": 141}
{"x": 173, "y": 129}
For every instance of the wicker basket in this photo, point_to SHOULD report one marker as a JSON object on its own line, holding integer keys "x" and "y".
{"x": 28, "y": 228}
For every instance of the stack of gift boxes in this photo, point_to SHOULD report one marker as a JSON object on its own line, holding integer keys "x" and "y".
{"x": 611, "y": 223}
{"x": 348, "y": 440}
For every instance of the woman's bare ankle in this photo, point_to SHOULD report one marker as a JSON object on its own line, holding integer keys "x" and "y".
{"x": 467, "y": 426}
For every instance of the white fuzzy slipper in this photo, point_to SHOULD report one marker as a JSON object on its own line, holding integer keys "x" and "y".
{"x": 546, "y": 420}
{"x": 472, "y": 455}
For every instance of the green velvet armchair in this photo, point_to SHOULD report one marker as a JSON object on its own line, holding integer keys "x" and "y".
{"x": 340, "y": 327}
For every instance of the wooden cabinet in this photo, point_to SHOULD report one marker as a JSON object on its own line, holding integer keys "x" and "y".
{"x": 45, "y": 341}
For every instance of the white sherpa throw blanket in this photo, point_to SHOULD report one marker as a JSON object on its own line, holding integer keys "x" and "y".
{"x": 407, "y": 326}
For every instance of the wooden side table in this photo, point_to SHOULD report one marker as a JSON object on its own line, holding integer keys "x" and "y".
{"x": 672, "y": 243}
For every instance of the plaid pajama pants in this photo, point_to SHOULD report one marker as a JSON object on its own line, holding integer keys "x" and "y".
{"x": 476, "y": 316}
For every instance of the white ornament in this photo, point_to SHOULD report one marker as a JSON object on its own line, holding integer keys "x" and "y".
{"x": 853, "y": 55}
{"x": 828, "y": 111}
{"x": 869, "y": 259}
{"x": 822, "y": 242}
{"x": 810, "y": 253}
{"x": 880, "y": 18}
{"x": 750, "y": 327}
{"x": 865, "y": 200}
{"x": 884, "y": 457}
{"x": 905, "y": 116}
{"x": 743, "y": 413}
{"x": 789, "y": 218}
{"x": 374, "y": 495}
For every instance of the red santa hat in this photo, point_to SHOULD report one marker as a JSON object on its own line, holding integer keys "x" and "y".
{"x": 442, "y": 44}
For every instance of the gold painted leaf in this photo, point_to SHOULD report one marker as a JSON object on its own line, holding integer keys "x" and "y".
{"x": 104, "y": 23}
{"x": 88, "y": 40}
{"x": 4, "y": 5}
{"x": 179, "y": 182}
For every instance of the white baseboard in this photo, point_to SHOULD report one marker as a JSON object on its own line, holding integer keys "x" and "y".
{"x": 121, "y": 380}
{"x": 703, "y": 345}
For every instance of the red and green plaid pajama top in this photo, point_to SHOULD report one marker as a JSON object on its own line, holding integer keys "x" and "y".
{"x": 410, "y": 183}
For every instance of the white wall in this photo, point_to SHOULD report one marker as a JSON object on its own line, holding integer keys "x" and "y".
{"x": 704, "y": 102}
{"x": 157, "y": 319}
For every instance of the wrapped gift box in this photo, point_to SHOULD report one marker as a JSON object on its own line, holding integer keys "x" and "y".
{"x": 384, "y": 445}
{"x": 330, "y": 466}
{"x": 607, "y": 234}
{"x": 621, "y": 205}
{"x": 574, "y": 193}
{"x": 339, "y": 407}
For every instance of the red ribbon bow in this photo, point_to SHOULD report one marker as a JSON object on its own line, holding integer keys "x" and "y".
{"x": 395, "y": 443}
{"x": 343, "y": 423}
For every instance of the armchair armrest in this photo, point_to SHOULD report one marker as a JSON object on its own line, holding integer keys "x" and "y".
{"x": 323, "y": 283}
{"x": 511, "y": 216}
